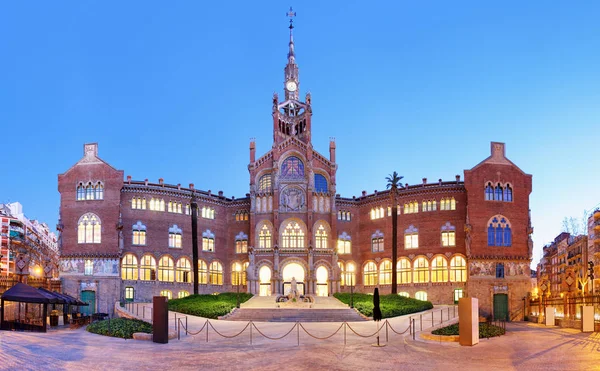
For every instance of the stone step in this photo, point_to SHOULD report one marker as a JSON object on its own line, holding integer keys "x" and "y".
{"x": 295, "y": 315}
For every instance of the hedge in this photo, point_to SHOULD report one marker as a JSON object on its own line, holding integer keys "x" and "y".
{"x": 391, "y": 305}
{"x": 207, "y": 306}
{"x": 486, "y": 330}
{"x": 120, "y": 327}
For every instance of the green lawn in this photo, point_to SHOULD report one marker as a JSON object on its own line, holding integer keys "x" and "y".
{"x": 390, "y": 305}
{"x": 485, "y": 330}
{"x": 207, "y": 306}
{"x": 120, "y": 327}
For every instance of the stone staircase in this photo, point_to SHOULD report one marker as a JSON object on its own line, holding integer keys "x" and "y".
{"x": 295, "y": 315}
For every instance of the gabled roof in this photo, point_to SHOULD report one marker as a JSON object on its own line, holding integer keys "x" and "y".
{"x": 90, "y": 157}
{"x": 498, "y": 157}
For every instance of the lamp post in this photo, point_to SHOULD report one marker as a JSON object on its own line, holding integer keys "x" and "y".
{"x": 237, "y": 279}
{"x": 351, "y": 291}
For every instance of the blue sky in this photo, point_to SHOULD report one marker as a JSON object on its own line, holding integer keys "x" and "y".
{"x": 176, "y": 89}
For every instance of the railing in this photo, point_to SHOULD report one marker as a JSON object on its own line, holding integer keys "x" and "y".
{"x": 143, "y": 311}
{"x": 432, "y": 317}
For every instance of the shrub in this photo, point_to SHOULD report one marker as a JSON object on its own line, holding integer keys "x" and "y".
{"x": 390, "y": 305}
{"x": 207, "y": 306}
{"x": 485, "y": 330}
{"x": 120, "y": 327}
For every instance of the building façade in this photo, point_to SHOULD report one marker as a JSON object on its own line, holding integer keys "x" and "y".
{"x": 131, "y": 240}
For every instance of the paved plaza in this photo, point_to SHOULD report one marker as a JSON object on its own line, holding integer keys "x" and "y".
{"x": 526, "y": 346}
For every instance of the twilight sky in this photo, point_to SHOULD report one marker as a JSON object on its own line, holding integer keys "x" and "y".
{"x": 176, "y": 89}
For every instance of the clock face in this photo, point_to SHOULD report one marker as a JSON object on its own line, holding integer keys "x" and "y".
{"x": 291, "y": 86}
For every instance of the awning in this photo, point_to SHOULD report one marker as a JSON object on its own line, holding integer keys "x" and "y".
{"x": 51, "y": 295}
{"x": 27, "y": 294}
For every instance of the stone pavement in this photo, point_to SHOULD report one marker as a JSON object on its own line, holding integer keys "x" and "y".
{"x": 525, "y": 347}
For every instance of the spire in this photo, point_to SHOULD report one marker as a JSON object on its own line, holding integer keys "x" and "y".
{"x": 291, "y": 69}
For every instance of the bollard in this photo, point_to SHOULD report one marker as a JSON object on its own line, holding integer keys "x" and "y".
{"x": 386, "y": 330}
{"x": 251, "y": 325}
{"x": 421, "y": 318}
{"x": 431, "y": 318}
{"x": 179, "y": 330}
{"x": 186, "y": 326}
{"x": 345, "y": 326}
{"x": 413, "y": 326}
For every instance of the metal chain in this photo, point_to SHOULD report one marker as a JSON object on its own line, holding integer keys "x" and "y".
{"x": 325, "y": 338}
{"x": 396, "y": 332}
{"x": 232, "y": 336}
{"x": 275, "y": 338}
{"x": 191, "y": 333}
{"x": 363, "y": 336}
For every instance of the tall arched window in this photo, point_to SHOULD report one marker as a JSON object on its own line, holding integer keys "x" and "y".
{"x": 411, "y": 238}
{"x": 385, "y": 272}
{"x": 238, "y": 273}
{"x": 264, "y": 237}
{"x": 175, "y": 236}
{"x": 293, "y": 236}
{"x": 241, "y": 243}
{"x": 89, "y": 229}
{"x": 148, "y": 268}
{"x": 202, "y": 272}
{"x": 421, "y": 270}
{"x": 215, "y": 273}
{"x": 498, "y": 195}
{"x": 458, "y": 269}
{"x": 508, "y": 194}
{"x": 166, "y": 272}
{"x": 183, "y": 271}
{"x": 439, "y": 269}
{"x": 499, "y": 232}
{"x": 321, "y": 237}
{"x": 80, "y": 192}
{"x": 89, "y": 191}
{"x": 320, "y": 183}
{"x": 370, "y": 274}
{"x": 344, "y": 245}
{"x": 404, "y": 270}
{"x": 139, "y": 233}
{"x": 129, "y": 267}
{"x": 292, "y": 168}
{"x": 489, "y": 192}
{"x": 99, "y": 191}
{"x": 264, "y": 184}
{"x": 350, "y": 274}
{"x": 208, "y": 241}
{"x": 421, "y": 295}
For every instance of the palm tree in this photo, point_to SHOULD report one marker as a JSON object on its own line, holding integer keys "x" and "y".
{"x": 393, "y": 182}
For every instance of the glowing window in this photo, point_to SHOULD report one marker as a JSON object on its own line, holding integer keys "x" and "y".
{"x": 129, "y": 268}
{"x": 458, "y": 269}
{"x": 215, "y": 273}
{"x": 89, "y": 229}
{"x": 148, "y": 268}
{"x": 439, "y": 269}
{"x": 139, "y": 234}
{"x": 183, "y": 271}
{"x": 385, "y": 272}
{"x": 421, "y": 295}
{"x": 264, "y": 238}
{"x": 264, "y": 184}
{"x": 167, "y": 294}
{"x": 202, "y": 272}
{"x": 293, "y": 236}
{"x": 166, "y": 270}
{"x": 321, "y": 237}
{"x": 404, "y": 270}
{"x": 411, "y": 238}
{"x": 183, "y": 294}
{"x": 421, "y": 271}
{"x": 208, "y": 241}
{"x": 370, "y": 274}
{"x": 175, "y": 236}
{"x": 89, "y": 267}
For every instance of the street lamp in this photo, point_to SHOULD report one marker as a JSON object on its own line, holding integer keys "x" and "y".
{"x": 351, "y": 290}
{"x": 237, "y": 281}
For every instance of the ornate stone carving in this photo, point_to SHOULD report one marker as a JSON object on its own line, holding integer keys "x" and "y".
{"x": 292, "y": 199}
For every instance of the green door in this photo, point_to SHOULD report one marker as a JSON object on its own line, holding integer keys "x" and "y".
{"x": 501, "y": 306}
{"x": 88, "y": 297}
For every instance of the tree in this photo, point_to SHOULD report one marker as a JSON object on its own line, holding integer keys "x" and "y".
{"x": 194, "y": 210}
{"x": 393, "y": 182}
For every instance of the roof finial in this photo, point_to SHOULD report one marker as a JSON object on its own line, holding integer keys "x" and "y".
{"x": 291, "y": 14}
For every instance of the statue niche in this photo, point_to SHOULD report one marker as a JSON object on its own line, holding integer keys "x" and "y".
{"x": 292, "y": 199}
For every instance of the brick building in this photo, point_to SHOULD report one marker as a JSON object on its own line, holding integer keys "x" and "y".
{"x": 130, "y": 240}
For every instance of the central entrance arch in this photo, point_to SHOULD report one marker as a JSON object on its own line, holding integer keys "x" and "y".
{"x": 264, "y": 275}
{"x": 322, "y": 286}
{"x": 293, "y": 270}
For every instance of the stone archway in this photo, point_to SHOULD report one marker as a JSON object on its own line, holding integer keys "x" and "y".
{"x": 264, "y": 280}
{"x": 294, "y": 270}
{"x": 322, "y": 281}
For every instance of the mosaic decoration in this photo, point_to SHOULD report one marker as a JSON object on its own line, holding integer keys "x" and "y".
{"x": 292, "y": 168}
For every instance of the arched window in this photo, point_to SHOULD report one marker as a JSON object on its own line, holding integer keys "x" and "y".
{"x": 264, "y": 184}
{"x": 421, "y": 270}
{"x": 165, "y": 269}
{"x": 88, "y": 267}
{"x": 344, "y": 245}
{"x": 411, "y": 207}
{"x": 403, "y": 270}
{"x": 448, "y": 235}
{"x": 508, "y": 194}
{"x": 129, "y": 267}
{"x": 350, "y": 274}
{"x": 89, "y": 191}
{"x": 175, "y": 236}
{"x": 458, "y": 269}
{"x": 138, "y": 203}
{"x": 208, "y": 241}
{"x": 377, "y": 241}
{"x": 80, "y": 192}
{"x": 264, "y": 237}
{"x": 421, "y": 295}
{"x": 321, "y": 237}
{"x": 411, "y": 238}
{"x": 498, "y": 195}
{"x": 183, "y": 271}
{"x": 405, "y": 294}
{"x": 99, "y": 194}
{"x": 215, "y": 273}
{"x": 166, "y": 293}
{"x": 89, "y": 229}
{"x": 385, "y": 272}
{"x": 489, "y": 192}
{"x": 241, "y": 243}
{"x": 238, "y": 273}
{"x": 202, "y": 272}
{"x": 157, "y": 204}
{"x": 293, "y": 236}
{"x": 174, "y": 207}
{"x": 499, "y": 232}
{"x": 208, "y": 212}
{"x": 439, "y": 269}
{"x": 499, "y": 270}
{"x": 320, "y": 183}
{"x": 183, "y": 294}
{"x": 148, "y": 268}
{"x": 370, "y": 274}
{"x": 292, "y": 168}
{"x": 139, "y": 233}
{"x": 448, "y": 203}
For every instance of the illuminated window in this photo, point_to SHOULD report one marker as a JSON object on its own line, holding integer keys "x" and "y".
{"x": 238, "y": 273}
{"x": 183, "y": 271}
{"x": 241, "y": 243}
{"x": 156, "y": 204}
{"x": 448, "y": 203}
{"x": 411, "y": 207}
{"x": 175, "y": 236}
{"x": 148, "y": 268}
{"x": 183, "y": 294}
{"x": 370, "y": 274}
{"x": 188, "y": 209}
{"x": 377, "y": 241}
{"x": 129, "y": 268}
{"x": 344, "y": 216}
{"x": 292, "y": 168}
{"x": 208, "y": 241}
{"x": 429, "y": 205}
{"x": 175, "y": 207}
{"x": 241, "y": 216}
{"x": 448, "y": 235}
{"x": 411, "y": 238}
{"x": 202, "y": 272}
{"x": 404, "y": 270}
{"x": 215, "y": 273}
{"x": 321, "y": 237}
{"x": 405, "y": 294}
{"x": 458, "y": 269}
{"x": 344, "y": 244}
{"x": 320, "y": 183}
{"x": 166, "y": 270}
{"x": 499, "y": 232}
{"x": 89, "y": 229}
{"x": 458, "y": 293}
{"x": 293, "y": 236}
{"x": 439, "y": 269}
{"x": 377, "y": 213}
{"x": 264, "y": 184}
{"x": 139, "y": 233}
{"x": 138, "y": 203}
{"x": 167, "y": 294}
{"x": 264, "y": 238}
{"x": 208, "y": 212}
{"x": 385, "y": 272}
{"x": 421, "y": 271}
{"x": 129, "y": 293}
{"x": 349, "y": 274}
{"x": 342, "y": 275}
{"x": 421, "y": 295}
{"x": 89, "y": 268}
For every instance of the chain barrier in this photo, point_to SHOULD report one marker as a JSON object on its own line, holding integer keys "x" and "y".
{"x": 397, "y": 332}
{"x": 233, "y": 336}
{"x": 275, "y": 338}
{"x": 326, "y": 337}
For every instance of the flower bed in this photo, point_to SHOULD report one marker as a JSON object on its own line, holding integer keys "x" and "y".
{"x": 390, "y": 305}
{"x": 207, "y": 306}
{"x": 485, "y": 330}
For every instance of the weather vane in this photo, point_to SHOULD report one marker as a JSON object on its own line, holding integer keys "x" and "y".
{"x": 291, "y": 14}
